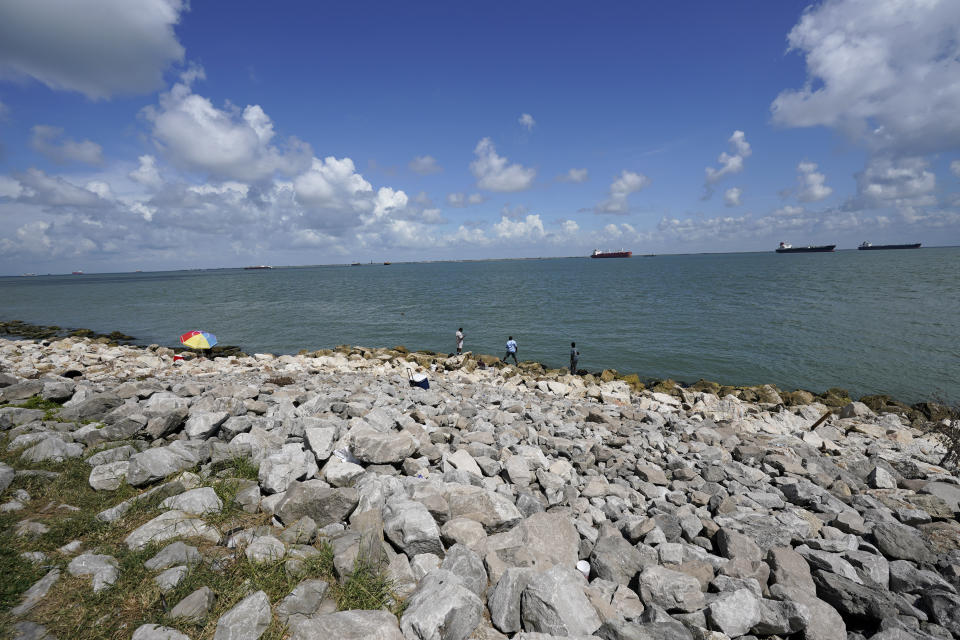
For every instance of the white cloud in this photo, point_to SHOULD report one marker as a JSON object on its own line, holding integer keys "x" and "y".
{"x": 526, "y": 121}
{"x": 424, "y": 165}
{"x": 574, "y": 175}
{"x": 225, "y": 143}
{"x": 731, "y": 197}
{"x": 39, "y": 188}
{"x": 526, "y": 229}
{"x": 332, "y": 189}
{"x": 812, "y": 183}
{"x": 461, "y": 200}
{"x": 887, "y": 72}
{"x": 622, "y": 186}
{"x": 494, "y": 174}
{"x": 730, "y": 163}
{"x": 147, "y": 173}
{"x": 388, "y": 200}
{"x": 902, "y": 183}
{"x": 97, "y": 47}
{"x": 955, "y": 168}
{"x": 46, "y": 141}
{"x": 9, "y": 188}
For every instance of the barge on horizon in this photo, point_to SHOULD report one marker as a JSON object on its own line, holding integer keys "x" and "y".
{"x": 597, "y": 253}
{"x": 786, "y": 247}
{"x": 866, "y": 246}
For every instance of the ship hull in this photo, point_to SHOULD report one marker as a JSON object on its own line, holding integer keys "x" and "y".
{"x": 613, "y": 254}
{"x": 821, "y": 249}
{"x": 882, "y": 247}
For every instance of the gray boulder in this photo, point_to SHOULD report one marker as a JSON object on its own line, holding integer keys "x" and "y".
{"x": 172, "y": 524}
{"x": 174, "y": 554}
{"x": 156, "y": 632}
{"x": 155, "y": 464}
{"x": 734, "y": 612}
{"x": 464, "y": 563}
{"x": 410, "y": 527}
{"x": 504, "y": 600}
{"x": 944, "y": 609}
{"x": 554, "y": 602}
{"x": 374, "y": 447}
{"x": 93, "y": 408}
{"x": 615, "y": 559}
{"x": 855, "y": 602}
{"x": 194, "y": 607}
{"x": 281, "y": 468}
{"x": 6, "y": 476}
{"x": 492, "y": 510}
{"x": 53, "y": 449}
{"x": 203, "y": 424}
{"x": 102, "y": 568}
{"x": 349, "y": 625}
{"x": 247, "y": 620}
{"x": 303, "y": 601}
{"x": 36, "y": 593}
{"x": 198, "y": 501}
{"x": 671, "y": 590}
{"x": 442, "y": 608}
{"x": 901, "y": 542}
{"x": 324, "y": 505}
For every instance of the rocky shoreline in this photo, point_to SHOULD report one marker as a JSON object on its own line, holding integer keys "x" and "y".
{"x": 502, "y": 502}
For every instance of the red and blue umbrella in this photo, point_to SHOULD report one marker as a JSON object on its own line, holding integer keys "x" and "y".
{"x": 198, "y": 339}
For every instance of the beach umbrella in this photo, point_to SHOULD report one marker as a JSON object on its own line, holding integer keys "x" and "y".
{"x": 198, "y": 339}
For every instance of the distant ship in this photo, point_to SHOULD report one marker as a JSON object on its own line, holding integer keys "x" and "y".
{"x": 386, "y": 263}
{"x": 866, "y": 246}
{"x": 597, "y": 253}
{"x": 259, "y": 266}
{"x": 786, "y": 247}
{"x": 76, "y": 273}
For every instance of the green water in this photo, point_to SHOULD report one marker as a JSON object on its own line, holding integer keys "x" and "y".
{"x": 871, "y": 322}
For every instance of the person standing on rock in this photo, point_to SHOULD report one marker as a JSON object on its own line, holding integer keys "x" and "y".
{"x": 574, "y": 358}
{"x": 511, "y": 350}
{"x": 459, "y": 341}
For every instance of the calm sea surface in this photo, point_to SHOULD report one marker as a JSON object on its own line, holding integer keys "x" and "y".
{"x": 871, "y": 322}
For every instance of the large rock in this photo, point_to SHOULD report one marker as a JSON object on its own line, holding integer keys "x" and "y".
{"x": 6, "y": 476}
{"x": 199, "y": 501}
{"x": 492, "y": 510}
{"x": 109, "y": 476}
{"x": 374, "y": 447}
{"x": 93, "y": 408}
{"x": 442, "y": 608}
{"x": 281, "y": 468}
{"x": 855, "y": 602}
{"x": 203, "y": 424}
{"x": 554, "y": 602}
{"x": 53, "y": 449}
{"x": 323, "y": 504}
{"x": 671, "y": 590}
{"x": 615, "y": 559}
{"x": 543, "y": 539}
{"x": 944, "y": 608}
{"x": 901, "y": 542}
{"x": 172, "y": 524}
{"x": 734, "y": 612}
{"x": 102, "y": 568}
{"x": 194, "y": 607}
{"x": 349, "y": 625}
{"x": 504, "y": 599}
{"x": 320, "y": 440}
{"x": 303, "y": 602}
{"x": 174, "y": 554}
{"x": 411, "y": 528}
{"x": 155, "y": 464}
{"x": 156, "y": 632}
{"x": 464, "y": 563}
{"x": 247, "y": 620}
{"x": 36, "y": 593}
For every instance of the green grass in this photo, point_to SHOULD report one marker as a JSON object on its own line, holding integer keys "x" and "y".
{"x": 51, "y": 409}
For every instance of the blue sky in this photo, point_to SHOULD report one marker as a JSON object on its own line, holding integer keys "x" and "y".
{"x": 155, "y": 134}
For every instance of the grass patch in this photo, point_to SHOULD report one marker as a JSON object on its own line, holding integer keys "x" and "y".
{"x": 244, "y": 468}
{"x": 366, "y": 587}
{"x": 50, "y": 408}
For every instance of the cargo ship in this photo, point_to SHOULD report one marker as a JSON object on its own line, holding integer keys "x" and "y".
{"x": 786, "y": 247}
{"x": 866, "y": 246}
{"x": 597, "y": 253}
{"x": 259, "y": 266}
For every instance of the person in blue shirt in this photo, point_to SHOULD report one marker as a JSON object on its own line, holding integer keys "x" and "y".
{"x": 511, "y": 350}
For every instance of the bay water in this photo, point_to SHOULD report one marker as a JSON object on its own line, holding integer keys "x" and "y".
{"x": 868, "y": 321}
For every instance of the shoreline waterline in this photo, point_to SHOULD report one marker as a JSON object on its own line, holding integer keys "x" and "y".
{"x": 770, "y": 393}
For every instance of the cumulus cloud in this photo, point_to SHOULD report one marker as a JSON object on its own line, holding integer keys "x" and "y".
{"x": 47, "y": 141}
{"x": 424, "y": 165}
{"x": 887, "y": 72}
{"x": 955, "y": 168}
{"x": 574, "y": 175}
{"x": 897, "y": 182}
{"x": 147, "y": 173}
{"x": 39, "y": 188}
{"x": 495, "y": 174}
{"x": 97, "y": 47}
{"x": 226, "y": 143}
{"x": 730, "y": 163}
{"x": 812, "y": 183}
{"x": 526, "y": 121}
{"x": 731, "y": 196}
{"x": 529, "y": 228}
{"x": 461, "y": 200}
{"x": 622, "y": 186}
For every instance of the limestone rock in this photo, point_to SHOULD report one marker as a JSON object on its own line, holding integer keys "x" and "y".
{"x": 109, "y": 476}
{"x": 672, "y": 590}
{"x": 410, "y": 526}
{"x": 172, "y": 524}
{"x": 321, "y": 503}
{"x": 441, "y": 609}
{"x": 281, "y": 468}
{"x": 156, "y": 632}
{"x": 554, "y": 602}
{"x": 247, "y": 620}
{"x": 194, "y": 607}
{"x": 198, "y": 501}
{"x": 351, "y": 625}
{"x": 102, "y": 568}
